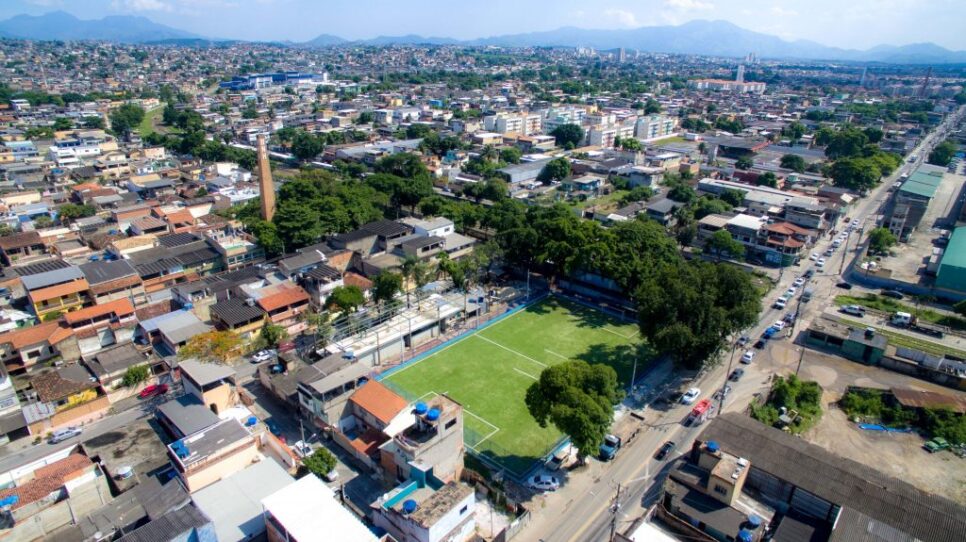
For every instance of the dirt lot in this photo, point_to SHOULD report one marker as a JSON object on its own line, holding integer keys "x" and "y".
{"x": 899, "y": 455}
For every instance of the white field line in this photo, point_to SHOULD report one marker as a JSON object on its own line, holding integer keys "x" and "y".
{"x": 423, "y": 396}
{"x": 495, "y": 428}
{"x": 441, "y": 350}
{"x": 551, "y": 352}
{"x": 482, "y": 440}
{"x": 510, "y": 350}
{"x": 628, "y": 337}
{"x": 526, "y": 374}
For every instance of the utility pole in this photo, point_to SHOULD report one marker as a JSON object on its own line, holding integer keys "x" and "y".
{"x": 734, "y": 346}
{"x": 615, "y": 508}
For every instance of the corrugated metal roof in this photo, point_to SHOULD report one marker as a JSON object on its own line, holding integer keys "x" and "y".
{"x": 838, "y": 480}
{"x": 955, "y": 253}
{"x": 49, "y": 278}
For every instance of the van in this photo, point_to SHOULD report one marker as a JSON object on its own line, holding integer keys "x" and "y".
{"x": 901, "y": 319}
{"x": 807, "y": 294}
{"x": 63, "y": 434}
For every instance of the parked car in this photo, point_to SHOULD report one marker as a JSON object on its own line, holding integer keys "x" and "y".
{"x": 273, "y": 427}
{"x": 748, "y": 356}
{"x": 790, "y": 317}
{"x": 937, "y": 444}
{"x": 779, "y": 325}
{"x": 690, "y": 396}
{"x": 609, "y": 448}
{"x": 743, "y": 340}
{"x": 854, "y": 310}
{"x": 736, "y": 374}
{"x": 769, "y": 333}
{"x": 63, "y": 434}
{"x": 302, "y": 449}
{"x": 664, "y": 450}
{"x": 829, "y": 251}
{"x": 892, "y": 293}
{"x": 799, "y": 282}
{"x": 543, "y": 482}
{"x": 557, "y": 460}
{"x": 722, "y": 393}
{"x": 809, "y": 273}
{"x": 262, "y": 356}
{"x": 844, "y": 286}
{"x": 791, "y": 291}
{"x": 153, "y": 390}
{"x": 779, "y": 303}
{"x": 814, "y": 256}
{"x": 820, "y": 263}
{"x": 760, "y": 344}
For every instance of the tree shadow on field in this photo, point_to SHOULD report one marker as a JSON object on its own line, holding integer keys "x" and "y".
{"x": 621, "y": 358}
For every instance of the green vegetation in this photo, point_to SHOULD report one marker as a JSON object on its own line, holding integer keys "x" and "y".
{"x": 801, "y": 396}
{"x": 320, "y": 463}
{"x": 345, "y": 299}
{"x": 568, "y": 136}
{"x": 490, "y": 371}
{"x": 858, "y": 163}
{"x": 878, "y": 406}
{"x": 271, "y": 335}
{"x": 126, "y": 118}
{"x": 578, "y": 399}
{"x": 215, "y": 346}
{"x": 135, "y": 375}
{"x": 146, "y": 126}
{"x": 887, "y": 304}
{"x": 900, "y": 339}
{"x": 557, "y": 169}
{"x": 943, "y": 154}
{"x": 881, "y": 240}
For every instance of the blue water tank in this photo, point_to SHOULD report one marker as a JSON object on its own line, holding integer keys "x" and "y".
{"x": 432, "y": 415}
{"x": 745, "y": 535}
{"x": 421, "y": 408}
{"x": 252, "y": 420}
{"x": 754, "y": 521}
{"x": 409, "y": 506}
{"x": 713, "y": 446}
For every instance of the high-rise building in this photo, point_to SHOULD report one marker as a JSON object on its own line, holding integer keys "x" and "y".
{"x": 265, "y": 183}
{"x": 622, "y": 55}
{"x": 741, "y": 74}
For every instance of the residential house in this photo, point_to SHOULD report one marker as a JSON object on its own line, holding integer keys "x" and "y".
{"x": 308, "y": 511}
{"x": 100, "y": 326}
{"x": 284, "y": 304}
{"x": 662, "y": 210}
{"x": 212, "y": 384}
{"x": 370, "y": 420}
{"x": 324, "y": 388}
{"x": 185, "y": 416}
{"x": 66, "y": 396}
{"x": 185, "y": 523}
{"x": 113, "y": 280}
{"x": 110, "y": 364}
{"x": 52, "y": 498}
{"x": 234, "y": 503}
{"x": 22, "y": 349}
{"x": 433, "y": 437}
{"x": 240, "y": 315}
{"x": 22, "y": 247}
{"x": 426, "y": 510}
{"x": 58, "y": 291}
{"x": 174, "y": 331}
{"x": 214, "y": 453}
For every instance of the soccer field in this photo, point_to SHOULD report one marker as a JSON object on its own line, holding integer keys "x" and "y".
{"x": 488, "y": 372}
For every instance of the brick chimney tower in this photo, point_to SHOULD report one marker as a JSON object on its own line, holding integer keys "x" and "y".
{"x": 265, "y": 183}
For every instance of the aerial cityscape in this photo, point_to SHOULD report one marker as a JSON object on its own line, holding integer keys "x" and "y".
{"x": 656, "y": 271}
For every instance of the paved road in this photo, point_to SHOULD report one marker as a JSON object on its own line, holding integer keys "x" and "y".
{"x": 584, "y": 512}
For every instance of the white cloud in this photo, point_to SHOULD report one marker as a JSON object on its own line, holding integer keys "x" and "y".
{"x": 622, "y": 16}
{"x": 140, "y": 5}
{"x": 779, "y": 11}
{"x": 689, "y": 5}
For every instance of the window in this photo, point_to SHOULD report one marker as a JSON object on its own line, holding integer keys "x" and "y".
{"x": 720, "y": 489}
{"x": 464, "y": 509}
{"x": 450, "y": 423}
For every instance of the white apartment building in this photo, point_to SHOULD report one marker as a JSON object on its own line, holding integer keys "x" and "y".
{"x": 604, "y": 136}
{"x": 655, "y": 127}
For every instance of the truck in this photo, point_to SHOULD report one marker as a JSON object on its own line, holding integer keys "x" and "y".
{"x": 912, "y": 323}
{"x": 901, "y": 319}
{"x": 807, "y": 294}
{"x": 609, "y": 448}
{"x": 701, "y": 412}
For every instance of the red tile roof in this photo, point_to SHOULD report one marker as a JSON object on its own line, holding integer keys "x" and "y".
{"x": 29, "y": 336}
{"x": 284, "y": 298}
{"x": 48, "y": 479}
{"x": 60, "y": 290}
{"x": 353, "y": 279}
{"x": 378, "y": 400}
{"x": 121, "y": 307}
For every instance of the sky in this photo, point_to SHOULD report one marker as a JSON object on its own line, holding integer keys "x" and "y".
{"x": 855, "y": 24}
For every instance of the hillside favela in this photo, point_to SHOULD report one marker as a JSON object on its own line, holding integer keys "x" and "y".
{"x": 447, "y": 271}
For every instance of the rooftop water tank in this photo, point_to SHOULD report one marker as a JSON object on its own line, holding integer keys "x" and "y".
{"x": 421, "y": 408}
{"x": 754, "y": 521}
{"x": 409, "y": 506}
{"x": 432, "y": 415}
{"x": 713, "y": 446}
{"x": 745, "y": 535}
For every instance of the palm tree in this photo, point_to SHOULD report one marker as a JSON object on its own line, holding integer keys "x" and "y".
{"x": 408, "y": 271}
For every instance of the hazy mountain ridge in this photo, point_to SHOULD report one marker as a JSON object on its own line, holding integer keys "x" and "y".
{"x": 699, "y": 37}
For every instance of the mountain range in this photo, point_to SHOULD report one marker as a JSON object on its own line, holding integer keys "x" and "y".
{"x": 712, "y": 38}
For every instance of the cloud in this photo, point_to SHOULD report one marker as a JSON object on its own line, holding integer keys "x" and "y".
{"x": 779, "y": 11}
{"x": 688, "y": 5}
{"x": 624, "y": 17}
{"x": 140, "y": 5}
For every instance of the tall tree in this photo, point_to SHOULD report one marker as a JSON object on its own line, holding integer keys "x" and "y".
{"x": 557, "y": 169}
{"x": 578, "y": 399}
{"x": 568, "y": 136}
{"x": 126, "y": 117}
{"x": 218, "y": 346}
{"x": 385, "y": 286}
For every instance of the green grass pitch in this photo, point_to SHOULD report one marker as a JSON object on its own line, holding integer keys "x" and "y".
{"x": 488, "y": 372}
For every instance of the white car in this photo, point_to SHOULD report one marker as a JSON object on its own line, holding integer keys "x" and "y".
{"x": 543, "y": 482}
{"x": 779, "y": 325}
{"x": 820, "y": 263}
{"x": 791, "y": 291}
{"x": 814, "y": 256}
{"x": 262, "y": 356}
{"x": 748, "y": 357}
{"x": 302, "y": 449}
{"x": 779, "y": 303}
{"x": 63, "y": 434}
{"x": 690, "y": 396}
{"x": 799, "y": 282}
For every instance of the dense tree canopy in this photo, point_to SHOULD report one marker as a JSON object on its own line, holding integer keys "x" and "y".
{"x": 578, "y": 399}
{"x": 126, "y": 118}
{"x": 557, "y": 169}
{"x": 568, "y": 136}
{"x": 794, "y": 162}
{"x": 943, "y": 153}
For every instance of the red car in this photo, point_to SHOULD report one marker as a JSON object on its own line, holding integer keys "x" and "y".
{"x": 153, "y": 391}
